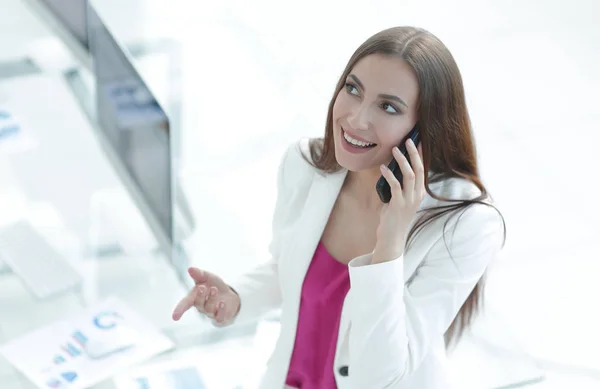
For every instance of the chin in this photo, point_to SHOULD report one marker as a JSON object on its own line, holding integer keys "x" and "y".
{"x": 351, "y": 162}
{"x": 352, "y": 157}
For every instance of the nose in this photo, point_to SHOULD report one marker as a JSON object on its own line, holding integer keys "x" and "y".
{"x": 359, "y": 118}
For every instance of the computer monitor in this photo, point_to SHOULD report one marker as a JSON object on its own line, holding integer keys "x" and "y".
{"x": 137, "y": 137}
{"x": 67, "y": 20}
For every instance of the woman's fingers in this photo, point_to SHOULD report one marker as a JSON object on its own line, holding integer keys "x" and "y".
{"x": 199, "y": 276}
{"x": 207, "y": 297}
{"x": 186, "y": 303}
{"x": 395, "y": 187}
{"x": 210, "y": 304}
{"x": 416, "y": 162}
{"x": 408, "y": 176}
{"x": 222, "y": 313}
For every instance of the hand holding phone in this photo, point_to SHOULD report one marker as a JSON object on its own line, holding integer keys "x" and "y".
{"x": 402, "y": 198}
{"x": 382, "y": 186}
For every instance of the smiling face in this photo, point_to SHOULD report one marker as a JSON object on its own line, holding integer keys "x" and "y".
{"x": 374, "y": 111}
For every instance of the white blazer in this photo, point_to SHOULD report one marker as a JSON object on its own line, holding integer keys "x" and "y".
{"x": 394, "y": 317}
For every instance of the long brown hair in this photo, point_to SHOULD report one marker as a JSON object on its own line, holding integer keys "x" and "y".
{"x": 444, "y": 126}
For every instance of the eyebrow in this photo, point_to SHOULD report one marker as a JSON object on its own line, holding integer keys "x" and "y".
{"x": 382, "y": 95}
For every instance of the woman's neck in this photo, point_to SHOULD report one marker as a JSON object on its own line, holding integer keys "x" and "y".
{"x": 360, "y": 186}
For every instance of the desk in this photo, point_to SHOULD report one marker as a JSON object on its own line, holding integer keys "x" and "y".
{"x": 146, "y": 284}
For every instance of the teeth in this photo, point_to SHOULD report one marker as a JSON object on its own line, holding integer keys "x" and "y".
{"x": 356, "y": 142}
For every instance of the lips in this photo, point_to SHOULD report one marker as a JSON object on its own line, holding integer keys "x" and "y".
{"x": 356, "y": 140}
{"x": 352, "y": 148}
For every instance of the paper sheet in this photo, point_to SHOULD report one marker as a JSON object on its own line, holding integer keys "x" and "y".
{"x": 58, "y": 355}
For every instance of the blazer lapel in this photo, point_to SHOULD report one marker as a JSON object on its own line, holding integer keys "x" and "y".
{"x": 321, "y": 198}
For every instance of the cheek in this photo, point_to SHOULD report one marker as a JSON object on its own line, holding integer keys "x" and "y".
{"x": 388, "y": 137}
{"x": 387, "y": 133}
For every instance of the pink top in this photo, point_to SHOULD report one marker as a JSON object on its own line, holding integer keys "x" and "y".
{"x": 325, "y": 286}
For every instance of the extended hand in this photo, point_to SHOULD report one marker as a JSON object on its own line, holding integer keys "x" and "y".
{"x": 211, "y": 296}
{"x": 397, "y": 215}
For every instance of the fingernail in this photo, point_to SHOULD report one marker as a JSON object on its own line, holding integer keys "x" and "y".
{"x": 213, "y": 292}
{"x": 396, "y": 150}
{"x": 382, "y": 168}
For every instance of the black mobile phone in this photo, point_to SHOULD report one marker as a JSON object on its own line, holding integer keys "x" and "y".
{"x": 382, "y": 187}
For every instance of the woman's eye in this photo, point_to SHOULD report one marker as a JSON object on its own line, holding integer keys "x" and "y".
{"x": 351, "y": 89}
{"x": 389, "y": 108}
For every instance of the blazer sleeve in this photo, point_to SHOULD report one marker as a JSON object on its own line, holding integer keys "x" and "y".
{"x": 393, "y": 324}
{"x": 259, "y": 288}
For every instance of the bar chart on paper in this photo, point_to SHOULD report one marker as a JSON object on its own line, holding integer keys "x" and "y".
{"x": 57, "y": 356}
{"x": 73, "y": 348}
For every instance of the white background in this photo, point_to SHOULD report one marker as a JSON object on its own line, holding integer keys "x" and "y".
{"x": 258, "y": 75}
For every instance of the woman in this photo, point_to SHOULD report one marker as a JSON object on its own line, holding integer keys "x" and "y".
{"x": 372, "y": 293}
